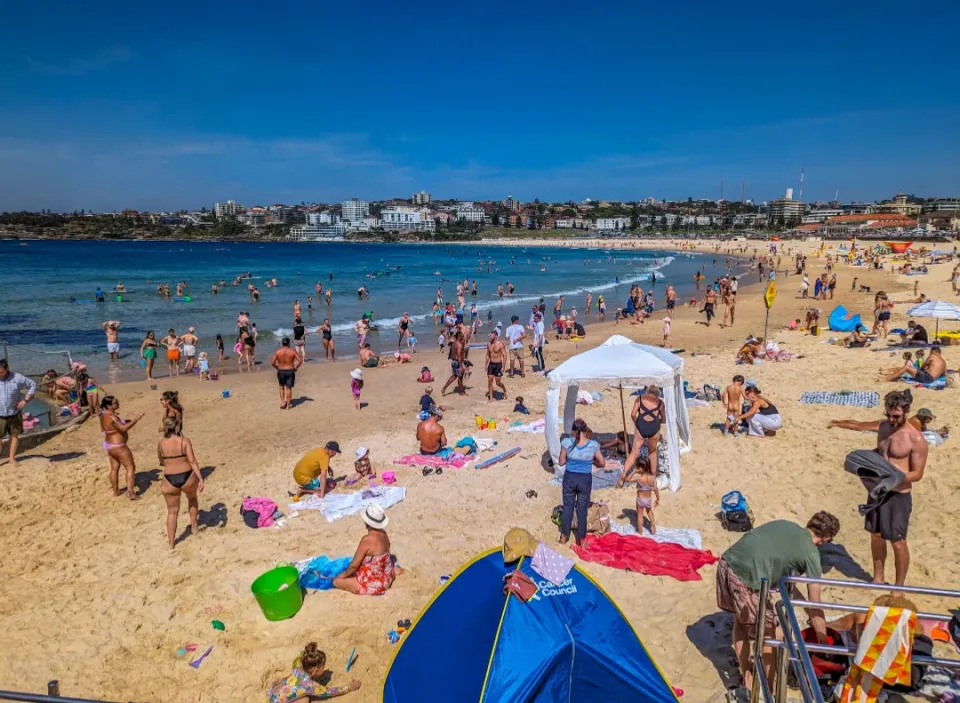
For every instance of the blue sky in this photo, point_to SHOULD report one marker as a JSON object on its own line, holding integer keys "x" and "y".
{"x": 168, "y": 105}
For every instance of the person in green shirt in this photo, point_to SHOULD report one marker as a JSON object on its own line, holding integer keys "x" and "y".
{"x": 771, "y": 551}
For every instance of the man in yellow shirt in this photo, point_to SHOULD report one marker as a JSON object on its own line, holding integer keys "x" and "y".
{"x": 310, "y": 473}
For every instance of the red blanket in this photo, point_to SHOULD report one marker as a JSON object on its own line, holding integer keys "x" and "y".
{"x": 645, "y": 556}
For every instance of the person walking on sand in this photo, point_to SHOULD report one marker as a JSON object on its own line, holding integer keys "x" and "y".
{"x": 181, "y": 474}
{"x": 148, "y": 352}
{"x": 300, "y": 338}
{"x": 13, "y": 399}
{"x": 172, "y": 344}
{"x": 326, "y": 338}
{"x": 515, "y": 335}
{"x": 455, "y": 355}
{"x": 729, "y": 307}
{"x": 496, "y": 356}
{"x": 709, "y": 301}
{"x": 286, "y": 361}
{"x": 115, "y": 431}
{"x": 356, "y": 385}
{"x": 111, "y": 329}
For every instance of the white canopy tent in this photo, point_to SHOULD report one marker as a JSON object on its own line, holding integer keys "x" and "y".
{"x": 621, "y": 361}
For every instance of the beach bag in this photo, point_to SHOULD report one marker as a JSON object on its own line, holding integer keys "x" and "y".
{"x": 598, "y": 518}
{"x": 735, "y": 514}
{"x": 711, "y": 392}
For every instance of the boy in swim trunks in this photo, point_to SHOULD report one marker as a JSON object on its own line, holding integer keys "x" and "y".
{"x": 111, "y": 327}
{"x": 732, "y": 398}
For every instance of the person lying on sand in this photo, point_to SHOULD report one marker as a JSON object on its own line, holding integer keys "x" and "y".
{"x": 311, "y": 472}
{"x": 933, "y": 369}
{"x": 303, "y": 682}
{"x": 372, "y": 570}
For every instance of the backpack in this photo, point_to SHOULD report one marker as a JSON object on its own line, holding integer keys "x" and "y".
{"x": 735, "y": 514}
{"x": 598, "y": 518}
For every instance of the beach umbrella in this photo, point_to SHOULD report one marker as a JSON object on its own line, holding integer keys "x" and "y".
{"x": 938, "y": 309}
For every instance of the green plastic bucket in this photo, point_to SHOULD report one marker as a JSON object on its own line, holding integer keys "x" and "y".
{"x": 278, "y": 593}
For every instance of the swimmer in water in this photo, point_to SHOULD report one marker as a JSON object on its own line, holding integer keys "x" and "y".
{"x": 329, "y": 296}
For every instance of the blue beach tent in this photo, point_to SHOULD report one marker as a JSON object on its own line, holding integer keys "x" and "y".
{"x": 842, "y": 321}
{"x": 567, "y": 643}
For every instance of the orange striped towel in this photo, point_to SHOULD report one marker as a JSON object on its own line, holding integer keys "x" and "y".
{"x": 883, "y": 656}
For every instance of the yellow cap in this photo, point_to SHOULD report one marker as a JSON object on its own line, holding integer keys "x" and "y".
{"x": 518, "y": 543}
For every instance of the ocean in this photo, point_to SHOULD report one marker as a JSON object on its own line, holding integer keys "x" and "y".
{"x": 48, "y": 309}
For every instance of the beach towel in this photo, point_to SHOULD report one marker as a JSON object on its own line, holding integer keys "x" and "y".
{"x": 936, "y": 385}
{"x": 319, "y": 572}
{"x": 860, "y": 399}
{"x": 456, "y": 461}
{"x": 675, "y": 535}
{"x": 645, "y": 556}
{"x": 535, "y": 427}
{"x": 552, "y": 566}
{"x": 263, "y": 507}
{"x": 883, "y": 656}
{"x": 337, "y": 505}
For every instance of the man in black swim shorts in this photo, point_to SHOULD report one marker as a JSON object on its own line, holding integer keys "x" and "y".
{"x": 495, "y": 359}
{"x": 286, "y": 361}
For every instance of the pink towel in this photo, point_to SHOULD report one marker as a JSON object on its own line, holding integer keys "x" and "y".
{"x": 457, "y": 461}
{"x": 264, "y": 507}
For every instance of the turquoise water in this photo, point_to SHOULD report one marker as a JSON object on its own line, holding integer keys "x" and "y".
{"x": 39, "y": 321}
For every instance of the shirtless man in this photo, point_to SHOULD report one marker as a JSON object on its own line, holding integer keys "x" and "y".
{"x": 921, "y": 420}
{"x": 113, "y": 338}
{"x": 709, "y": 301}
{"x": 732, "y": 399}
{"x": 190, "y": 341}
{"x": 902, "y": 444}
{"x": 286, "y": 361}
{"x": 431, "y": 435}
{"x": 933, "y": 368}
{"x": 729, "y": 306}
{"x": 172, "y": 343}
{"x": 671, "y": 295}
{"x": 496, "y": 357}
{"x": 456, "y": 363}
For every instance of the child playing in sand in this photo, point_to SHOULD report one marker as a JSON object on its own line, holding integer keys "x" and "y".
{"x": 648, "y": 494}
{"x": 302, "y": 684}
{"x": 618, "y": 316}
{"x": 520, "y": 407}
{"x": 666, "y": 331}
{"x": 204, "y": 367}
{"x": 356, "y": 385}
{"x": 362, "y": 467}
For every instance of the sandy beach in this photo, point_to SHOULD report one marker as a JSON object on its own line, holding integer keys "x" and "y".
{"x": 92, "y": 595}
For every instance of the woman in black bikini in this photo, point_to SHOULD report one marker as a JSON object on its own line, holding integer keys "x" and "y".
{"x": 249, "y": 347}
{"x": 329, "y": 351}
{"x": 181, "y": 474}
{"x": 648, "y": 415}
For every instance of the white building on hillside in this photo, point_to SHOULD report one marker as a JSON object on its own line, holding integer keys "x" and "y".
{"x": 317, "y": 219}
{"x": 405, "y": 218}
{"x": 467, "y": 212}
{"x": 228, "y": 209}
{"x": 421, "y": 198}
{"x": 310, "y": 233}
{"x": 354, "y": 210}
{"x": 612, "y": 223}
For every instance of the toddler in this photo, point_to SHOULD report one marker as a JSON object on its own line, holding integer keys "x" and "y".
{"x": 204, "y": 367}
{"x": 520, "y": 407}
{"x": 648, "y": 494}
{"x": 356, "y": 385}
{"x": 442, "y": 341}
{"x": 666, "y": 331}
{"x": 303, "y": 682}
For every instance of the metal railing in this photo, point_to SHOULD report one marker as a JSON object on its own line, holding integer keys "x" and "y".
{"x": 792, "y": 652}
{"x": 52, "y": 696}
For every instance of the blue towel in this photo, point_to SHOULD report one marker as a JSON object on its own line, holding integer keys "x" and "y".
{"x": 318, "y": 573}
{"x": 937, "y": 385}
{"x": 861, "y": 399}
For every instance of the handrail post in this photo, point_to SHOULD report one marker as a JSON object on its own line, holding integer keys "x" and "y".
{"x": 782, "y": 661}
{"x": 53, "y": 688}
{"x": 758, "y": 642}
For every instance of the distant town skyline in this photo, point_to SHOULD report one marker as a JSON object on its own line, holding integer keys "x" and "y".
{"x": 180, "y": 106}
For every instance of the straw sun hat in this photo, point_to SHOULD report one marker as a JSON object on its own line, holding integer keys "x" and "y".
{"x": 357, "y": 374}
{"x": 375, "y": 517}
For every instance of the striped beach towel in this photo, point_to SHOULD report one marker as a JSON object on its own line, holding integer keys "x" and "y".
{"x": 860, "y": 399}
{"x": 883, "y": 656}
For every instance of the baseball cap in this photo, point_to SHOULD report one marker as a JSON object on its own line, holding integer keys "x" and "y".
{"x": 333, "y": 447}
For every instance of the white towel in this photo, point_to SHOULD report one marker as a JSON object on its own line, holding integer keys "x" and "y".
{"x": 337, "y": 505}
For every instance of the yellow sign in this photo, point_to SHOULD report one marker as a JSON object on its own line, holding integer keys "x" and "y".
{"x": 771, "y": 294}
